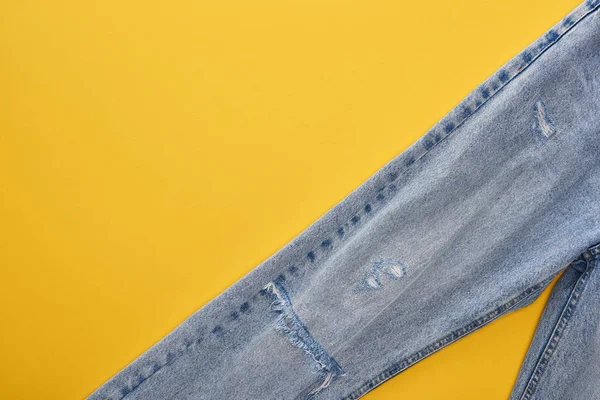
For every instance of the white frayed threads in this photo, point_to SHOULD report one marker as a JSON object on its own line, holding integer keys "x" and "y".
{"x": 545, "y": 124}
{"x": 323, "y": 385}
{"x": 290, "y": 324}
{"x": 372, "y": 282}
{"x": 396, "y": 271}
{"x": 279, "y": 303}
{"x": 382, "y": 267}
{"x": 286, "y": 323}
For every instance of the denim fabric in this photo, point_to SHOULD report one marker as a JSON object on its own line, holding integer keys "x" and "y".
{"x": 471, "y": 222}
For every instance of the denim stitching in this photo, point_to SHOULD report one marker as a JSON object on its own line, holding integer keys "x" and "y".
{"x": 526, "y": 57}
{"x": 447, "y": 340}
{"x": 557, "y": 333}
{"x": 467, "y": 107}
{"x": 448, "y": 124}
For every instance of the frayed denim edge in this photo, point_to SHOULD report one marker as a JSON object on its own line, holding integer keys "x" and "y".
{"x": 296, "y": 331}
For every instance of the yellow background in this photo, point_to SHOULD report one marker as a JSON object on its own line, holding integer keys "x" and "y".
{"x": 152, "y": 153}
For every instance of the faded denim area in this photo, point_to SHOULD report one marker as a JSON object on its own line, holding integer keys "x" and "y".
{"x": 471, "y": 222}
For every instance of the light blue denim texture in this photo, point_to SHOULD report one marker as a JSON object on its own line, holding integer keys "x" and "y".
{"x": 471, "y": 222}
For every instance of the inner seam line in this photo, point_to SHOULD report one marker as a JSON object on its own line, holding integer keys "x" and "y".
{"x": 557, "y": 332}
{"x": 447, "y": 340}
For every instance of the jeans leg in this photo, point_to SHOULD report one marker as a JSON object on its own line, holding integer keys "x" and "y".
{"x": 563, "y": 359}
{"x": 470, "y": 223}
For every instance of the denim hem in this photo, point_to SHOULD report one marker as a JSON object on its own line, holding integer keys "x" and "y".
{"x": 447, "y": 340}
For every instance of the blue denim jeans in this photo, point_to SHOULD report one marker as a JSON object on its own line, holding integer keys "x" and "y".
{"x": 471, "y": 222}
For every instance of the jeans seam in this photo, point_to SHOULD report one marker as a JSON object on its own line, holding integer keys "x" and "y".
{"x": 447, "y": 340}
{"x": 450, "y": 123}
{"x": 560, "y": 327}
{"x": 441, "y": 130}
{"x": 454, "y": 119}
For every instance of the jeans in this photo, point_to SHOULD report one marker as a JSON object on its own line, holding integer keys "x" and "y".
{"x": 471, "y": 222}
